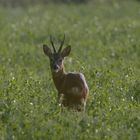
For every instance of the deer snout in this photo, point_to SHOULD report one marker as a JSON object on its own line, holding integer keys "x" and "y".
{"x": 55, "y": 67}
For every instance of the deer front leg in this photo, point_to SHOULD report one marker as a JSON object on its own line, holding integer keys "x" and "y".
{"x": 60, "y": 99}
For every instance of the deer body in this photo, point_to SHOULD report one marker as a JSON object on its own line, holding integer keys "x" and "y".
{"x": 72, "y": 87}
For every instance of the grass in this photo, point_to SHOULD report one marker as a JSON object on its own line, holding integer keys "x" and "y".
{"x": 105, "y": 46}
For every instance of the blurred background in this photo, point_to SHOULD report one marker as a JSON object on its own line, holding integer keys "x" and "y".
{"x": 14, "y": 3}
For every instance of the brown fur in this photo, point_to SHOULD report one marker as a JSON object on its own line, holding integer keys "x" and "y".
{"x": 65, "y": 83}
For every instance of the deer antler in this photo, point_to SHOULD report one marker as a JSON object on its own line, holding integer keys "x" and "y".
{"x": 62, "y": 43}
{"x": 52, "y": 44}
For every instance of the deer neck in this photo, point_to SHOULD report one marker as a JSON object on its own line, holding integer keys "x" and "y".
{"x": 58, "y": 78}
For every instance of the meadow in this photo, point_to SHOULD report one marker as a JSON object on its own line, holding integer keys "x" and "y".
{"x": 105, "y": 40}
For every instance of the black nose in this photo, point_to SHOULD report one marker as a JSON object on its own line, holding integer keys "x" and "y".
{"x": 55, "y": 67}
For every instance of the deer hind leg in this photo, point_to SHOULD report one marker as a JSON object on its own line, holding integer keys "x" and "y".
{"x": 81, "y": 105}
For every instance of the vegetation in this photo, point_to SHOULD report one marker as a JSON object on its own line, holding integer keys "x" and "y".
{"x": 105, "y": 46}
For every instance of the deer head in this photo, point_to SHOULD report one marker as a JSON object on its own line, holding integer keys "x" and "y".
{"x": 56, "y": 57}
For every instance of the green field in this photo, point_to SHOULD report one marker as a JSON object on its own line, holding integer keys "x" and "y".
{"x": 105, "y": 40}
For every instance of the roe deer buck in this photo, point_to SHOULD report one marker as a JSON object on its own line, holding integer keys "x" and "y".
{"x": 72, "y": 87}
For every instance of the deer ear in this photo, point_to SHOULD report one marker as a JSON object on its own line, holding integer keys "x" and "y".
{"x": 66, "y": 51}
{"x": 47, "y": 50}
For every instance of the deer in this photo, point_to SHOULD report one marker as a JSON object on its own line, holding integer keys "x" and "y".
{"x": 72, "y": 87}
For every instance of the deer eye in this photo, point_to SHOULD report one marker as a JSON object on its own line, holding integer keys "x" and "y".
{"x": 60, "y": 60}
